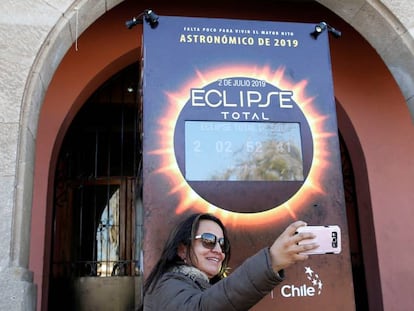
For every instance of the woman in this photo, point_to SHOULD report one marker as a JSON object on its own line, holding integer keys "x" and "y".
{"x": 191, "y": 272}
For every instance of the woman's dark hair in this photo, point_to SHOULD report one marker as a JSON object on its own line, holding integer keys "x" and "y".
{"x": 184, "y": 234}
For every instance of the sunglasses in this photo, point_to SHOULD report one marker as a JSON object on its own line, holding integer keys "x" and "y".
{"x": 209, "y": 241}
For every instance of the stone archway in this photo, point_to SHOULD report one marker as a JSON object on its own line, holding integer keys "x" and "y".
{"x": 376, "y": 22}
{"x": 385, "y": 28}
{"x": 73, "y": 21}
{"x": 60, "y": 39}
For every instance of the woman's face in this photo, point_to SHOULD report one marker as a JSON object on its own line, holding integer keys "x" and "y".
{"x": 208, "y": 260}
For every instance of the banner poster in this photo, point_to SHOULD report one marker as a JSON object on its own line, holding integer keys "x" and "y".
{"x": 239, "y": 120}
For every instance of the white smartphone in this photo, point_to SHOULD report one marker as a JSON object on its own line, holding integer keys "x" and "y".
{"x": 327, "y": 237}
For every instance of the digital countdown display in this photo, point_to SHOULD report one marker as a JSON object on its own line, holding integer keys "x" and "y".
{"x": 242, "y": 151}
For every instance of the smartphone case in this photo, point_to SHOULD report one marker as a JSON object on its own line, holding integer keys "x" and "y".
{"x": 328, "y": 237}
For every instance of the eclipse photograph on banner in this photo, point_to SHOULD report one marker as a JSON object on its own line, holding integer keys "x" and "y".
{"x": 239, "y": 120}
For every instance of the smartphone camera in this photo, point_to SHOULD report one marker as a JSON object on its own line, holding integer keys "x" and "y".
{"x": 334, "y": 239}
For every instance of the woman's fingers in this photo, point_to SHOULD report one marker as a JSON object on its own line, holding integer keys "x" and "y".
{"x": 288, "y": 249}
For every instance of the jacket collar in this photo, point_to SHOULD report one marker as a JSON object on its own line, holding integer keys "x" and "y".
{"x": 191, "y": 272}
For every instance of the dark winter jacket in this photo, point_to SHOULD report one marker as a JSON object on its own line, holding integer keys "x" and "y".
{"x": 186, "y": 288}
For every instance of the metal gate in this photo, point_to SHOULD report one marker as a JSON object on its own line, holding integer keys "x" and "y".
{"x": 97, "y": 216}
